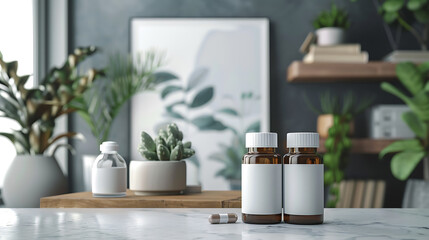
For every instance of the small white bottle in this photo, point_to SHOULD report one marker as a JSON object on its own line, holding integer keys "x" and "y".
{"x": 109, "y": 172}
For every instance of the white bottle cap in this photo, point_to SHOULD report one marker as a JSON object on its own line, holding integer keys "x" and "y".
{"x": 263, "y": 139}
{"x": 302, "y": 140}
{"x": 108, "y": 147}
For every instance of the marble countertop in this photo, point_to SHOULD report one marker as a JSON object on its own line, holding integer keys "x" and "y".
{"x": 186, "y": 223}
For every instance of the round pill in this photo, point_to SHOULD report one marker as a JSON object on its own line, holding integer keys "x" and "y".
{"x": 223, "y": 218}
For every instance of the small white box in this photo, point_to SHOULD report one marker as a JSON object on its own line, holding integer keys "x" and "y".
{"x": 386, "y": 122}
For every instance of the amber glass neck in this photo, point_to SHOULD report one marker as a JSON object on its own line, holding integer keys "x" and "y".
{"x": 262, "y": 150}
{"x": 302, "y": 150}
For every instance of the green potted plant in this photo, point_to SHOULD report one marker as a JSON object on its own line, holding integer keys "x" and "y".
{"x": 163, "y": 169}
{"x": 100, "y": 105}
{"x": 331, "y": 25}
{"x": 409, "y": 14}
{"x": 34, "y": 173}
{"x": 338, "y": 142}
{"x": 409, "y": 153}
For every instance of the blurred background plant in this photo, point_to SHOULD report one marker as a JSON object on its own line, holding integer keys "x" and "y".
{"x": 124, "y": 77}
{"x": 411, "y": 15}
{"x": 338, "y": 142}
{"x": 230, "y": 155}
{"x": 409, "y": 152}
{"x": 336, "y": 17}
{"x": 35, "y": 110}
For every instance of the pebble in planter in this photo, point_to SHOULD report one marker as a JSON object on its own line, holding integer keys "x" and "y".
{"x": 161, "y": 172}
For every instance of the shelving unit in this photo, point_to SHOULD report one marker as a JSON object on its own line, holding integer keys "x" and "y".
{"x": 299, "y": 72}
{"x": 363, "y": 145}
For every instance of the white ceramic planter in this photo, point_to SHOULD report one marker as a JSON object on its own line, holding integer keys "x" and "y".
{"x": 330, "y": 36}
{"x": 30, "y": 178}
{"x": 157, "y": 177}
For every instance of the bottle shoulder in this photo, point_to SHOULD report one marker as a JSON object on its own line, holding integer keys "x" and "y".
{"x": 302, "y": 158}
{"x": 261, "y": 158}
{"x": 110, "y": 160}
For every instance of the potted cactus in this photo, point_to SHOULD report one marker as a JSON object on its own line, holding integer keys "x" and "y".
{"x": 161, "y": 171}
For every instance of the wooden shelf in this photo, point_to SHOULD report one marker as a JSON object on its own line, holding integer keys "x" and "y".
{"x": 363, "y": 145}
{"x": 341, "y": 72}
{"x": 206, "y": 199}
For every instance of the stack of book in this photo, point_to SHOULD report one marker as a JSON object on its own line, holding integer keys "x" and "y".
{"x": 361, "y": 194}
{"x": 407, "y": 56}
{"x": 344, "y": 53}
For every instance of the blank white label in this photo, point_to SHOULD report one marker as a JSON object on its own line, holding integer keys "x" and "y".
{"x": 109, "y": 180}
{"x": 261, "y": 188}
{"x": 303, "y": 189}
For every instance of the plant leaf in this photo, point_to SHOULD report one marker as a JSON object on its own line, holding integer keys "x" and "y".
{"x": 168, "y": 90}
{"x": 207, "y": 122}
{"x": 403, "y": 163}
{"x": 410, "y": 77}
{"x": 162, "y": 76}
{"x": 202, "y": 97}
{"x": 254, "y": 127}
{"x": 392, "y": 5}
{"x": 402, "y": 145}
{"x": 197, "y": 76}
{"x": 422, "y": 15}
{"x": 415, "y": 124}
{"x": 393, "y": 90}
{"x": 390, "y": 17}
{"x": 229, "y": 111}
{"x": 415, "y": 4}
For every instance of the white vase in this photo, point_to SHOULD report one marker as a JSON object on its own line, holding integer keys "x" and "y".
{"x": 157, "y": 177}
{"x": 87, "y": 161}
{"x": 30, "y": 178}
{"x": 330, "y": 36}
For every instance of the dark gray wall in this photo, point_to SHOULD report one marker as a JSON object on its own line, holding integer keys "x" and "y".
{"x": 105, "y": 23}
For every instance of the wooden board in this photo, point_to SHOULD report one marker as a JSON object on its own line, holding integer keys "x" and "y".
{"x": 206, "y": 199}
{"x": 337, "y": 72}
{"x": 363, "y": 145}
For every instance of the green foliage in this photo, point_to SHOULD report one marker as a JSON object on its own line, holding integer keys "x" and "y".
{"x": 35, "y": 110}
{"x": 167, "y": 146}
{"x": 417, "y": 12}
{"x": 334, "y": 18}
{"x": 124, "y": 77}
{"x": 408, "y": 153}
{"x": 338, "y": 143}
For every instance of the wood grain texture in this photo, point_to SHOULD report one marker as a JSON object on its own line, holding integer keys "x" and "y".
{"x": 206, "y": 199}
{"x": 340, "y": 72}
{"x": 363, "y": 145}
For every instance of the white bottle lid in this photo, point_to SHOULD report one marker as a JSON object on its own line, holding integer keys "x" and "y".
{"x": 109, "y": 147}
{"x": 302, "y": 140}
{"x": 262, "y": 139}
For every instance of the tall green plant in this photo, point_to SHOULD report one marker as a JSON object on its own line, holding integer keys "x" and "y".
{"x": 336, "y": 17}
{"x": 409, "y": 14}
{"x": 124, "y": 77}
{"x": 338, "y": 143}
{"x": 408, "y": 153}
{"x": 36, "y": 109}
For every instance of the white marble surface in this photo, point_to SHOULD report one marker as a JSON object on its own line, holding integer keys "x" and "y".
{"x": 193, "y": 224}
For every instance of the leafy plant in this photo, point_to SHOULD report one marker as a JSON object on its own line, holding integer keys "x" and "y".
{"x": 124, "y": 77}
{"x": 167, "y": 146}
{"x": 199, "y": 98}
{"x": 230, "y": 155}
{"x": 338, "y": 143}
{"x": 35, "y": 110}
{"x": 408, "y": 13}
{"x": 408, "y": 153}
{"x": 336, "y": 17}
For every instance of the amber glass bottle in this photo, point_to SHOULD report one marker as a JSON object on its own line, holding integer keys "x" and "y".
{"x": 303, "y": 180}
{"x": 261, "y": 179}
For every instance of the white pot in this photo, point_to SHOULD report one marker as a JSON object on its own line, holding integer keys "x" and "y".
{"x": 330, "y": 36}
{"x": 87, "y": 161}
{"x": 30, "y": 178}
{"x": 157, "y": 177}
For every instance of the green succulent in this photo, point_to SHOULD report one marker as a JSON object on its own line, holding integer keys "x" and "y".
{"x": 336, "y": 17}
{"x": 409, "y": 153}
{"x": 36, "y": 109}
{"x": 168, "y": 146}
{"x": 417, "y": 12}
